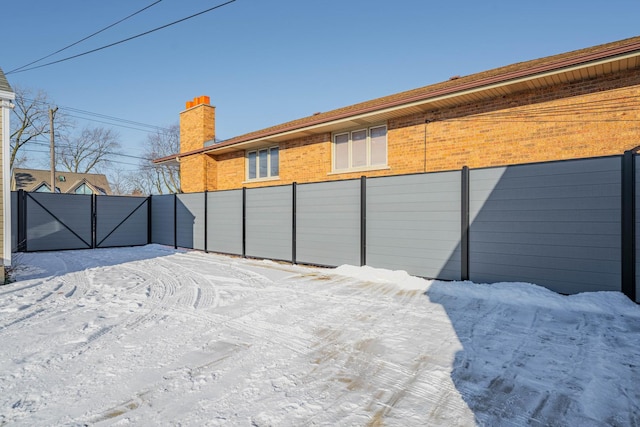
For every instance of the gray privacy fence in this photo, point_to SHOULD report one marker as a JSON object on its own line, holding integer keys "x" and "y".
{"x": 45, "y": 221}
{"x": 570, "y": 226}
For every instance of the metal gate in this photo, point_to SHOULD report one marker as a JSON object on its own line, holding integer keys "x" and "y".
{"x": 49, "y": 222}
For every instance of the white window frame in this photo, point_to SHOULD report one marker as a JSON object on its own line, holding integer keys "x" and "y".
{"x": 368, "y": 165}
{"x": 258, "y": 177}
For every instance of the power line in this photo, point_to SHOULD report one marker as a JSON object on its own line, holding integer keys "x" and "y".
{"x": 111, "y": 153}
{"x": 115, "y": 124}
{"x": 125, "y": 40}
{"x": 152, "y": 128}
{"x": 86, "y": 38}
{"x": 110, "y": 161}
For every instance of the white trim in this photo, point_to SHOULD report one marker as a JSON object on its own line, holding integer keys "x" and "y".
{"x": 252, "y": 181}
{"x": 5, "y": 108}
{"x": 363, "y": 169}
{"x": 9, "y": 96}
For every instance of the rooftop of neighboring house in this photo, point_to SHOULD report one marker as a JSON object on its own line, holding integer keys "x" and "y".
{"x": 4, "y": 84}
{"x": 35, "y": 180}
{"x": 574, "y": 65}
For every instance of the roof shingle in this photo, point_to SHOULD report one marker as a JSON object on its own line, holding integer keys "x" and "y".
{"x": 4, "y": 83}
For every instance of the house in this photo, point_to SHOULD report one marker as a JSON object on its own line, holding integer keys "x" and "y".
{"x": 580, "y": 104}
{"x": 34, "y": 180}
{"x": 6, "y": 96}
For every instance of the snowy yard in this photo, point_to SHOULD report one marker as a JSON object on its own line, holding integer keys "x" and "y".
{"x": 154, "y": 336}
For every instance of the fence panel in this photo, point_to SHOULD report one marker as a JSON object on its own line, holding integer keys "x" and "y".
{"x": 269, "y": 222}
{"x": 190, "y": 220}
{"x": 14, "y": 221}
{"x": 555, "y": 224}
{"x": 162, "y": 219}
{"x": 121, "y": 221}
{"x": 328, "y": 223}
{"x": 224, "y": 222}
{"x": 413, "y": 224}
{"x": 58, "y": 221}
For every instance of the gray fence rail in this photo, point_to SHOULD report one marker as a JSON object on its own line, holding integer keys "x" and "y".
{"x": 569, "y": 225}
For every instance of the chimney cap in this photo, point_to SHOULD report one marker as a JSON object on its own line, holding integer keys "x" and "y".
{"x": 198, "y": 100}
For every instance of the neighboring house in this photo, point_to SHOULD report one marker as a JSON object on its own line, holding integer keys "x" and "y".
{"x": 39, "y": 181}
{"x": 579, "y": 104}
{"x": 6, "y": 96}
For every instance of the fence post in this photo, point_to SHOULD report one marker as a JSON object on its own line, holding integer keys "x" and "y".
{"x": 149, "y": 220}
{"x": 244, "y": 222}
{"x": 628, "y": 285}
{"x": 206, "y": 192}
{"x": 464, "y": 216}
{"x": 363, "y": 220}
{"x": 293, "y": 222}
{"x": 175, "y": 220}
{"x": 22, "y": 221}
{"x": 94, "y": 219}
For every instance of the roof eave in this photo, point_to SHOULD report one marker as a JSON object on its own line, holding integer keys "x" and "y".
{"x": 478, "y": 86}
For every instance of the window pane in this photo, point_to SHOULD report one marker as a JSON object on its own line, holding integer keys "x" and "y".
{"x": 359, "y": 148}
{"x": 341, "y": 151}
{"x": 83, "y": 189}
{"x": 275, "y": 160}
{"x": 252, "y": 165}
{"x": 379, "y": 146}
{"x": 263, "y": 163}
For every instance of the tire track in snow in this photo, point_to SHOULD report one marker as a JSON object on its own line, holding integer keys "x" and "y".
{"x": 39, "y": 314}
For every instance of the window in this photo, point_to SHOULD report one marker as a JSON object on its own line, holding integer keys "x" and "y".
{"x": 43, "y": 188}
{"x": 83, "y": 189}
{"x": 264, "y": 163}
{"x": 361, "y": 148}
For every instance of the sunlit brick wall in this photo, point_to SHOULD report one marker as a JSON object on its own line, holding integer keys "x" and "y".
{"x": 596, "y": 117}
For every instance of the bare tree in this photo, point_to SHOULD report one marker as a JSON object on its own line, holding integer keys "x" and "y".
{"x": 160, "y": 179}
{"x": 121, "y": 181}
{"x": 88, "y": 151}
{"x": 31, "y": 121}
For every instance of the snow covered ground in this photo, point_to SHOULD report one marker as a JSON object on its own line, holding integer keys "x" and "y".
{"x": 154, "y": 336}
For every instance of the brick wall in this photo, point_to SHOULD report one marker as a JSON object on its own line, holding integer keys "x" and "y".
{"x": 585, "y": 119}
{"x": 197, "y": 126}
{"x": 193, "y": 174}
{"x": 589, "y": 118}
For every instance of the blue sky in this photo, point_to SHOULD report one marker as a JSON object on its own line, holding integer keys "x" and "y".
{"x": 267, "y": 62}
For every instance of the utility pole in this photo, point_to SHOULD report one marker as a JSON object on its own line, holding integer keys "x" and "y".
{"x": 52, "y": 111}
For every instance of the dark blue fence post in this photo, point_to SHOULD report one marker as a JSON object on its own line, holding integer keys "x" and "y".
{"x": 244, "y": 222}
{"x": 206, "y": 192}
{"x": 293, "y": 222}
{"x": 22, "y": 221}
{"x": 149, "y": 220}
{"x": 464, "y": 216}
{"x": 628, "y": 285}
{"x": 94, "y": 219}
{"x": 363, "y": 220}
{"x": 175, "y": 220}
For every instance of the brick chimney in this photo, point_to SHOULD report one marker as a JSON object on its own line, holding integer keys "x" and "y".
{"x": 197, "y": 124}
